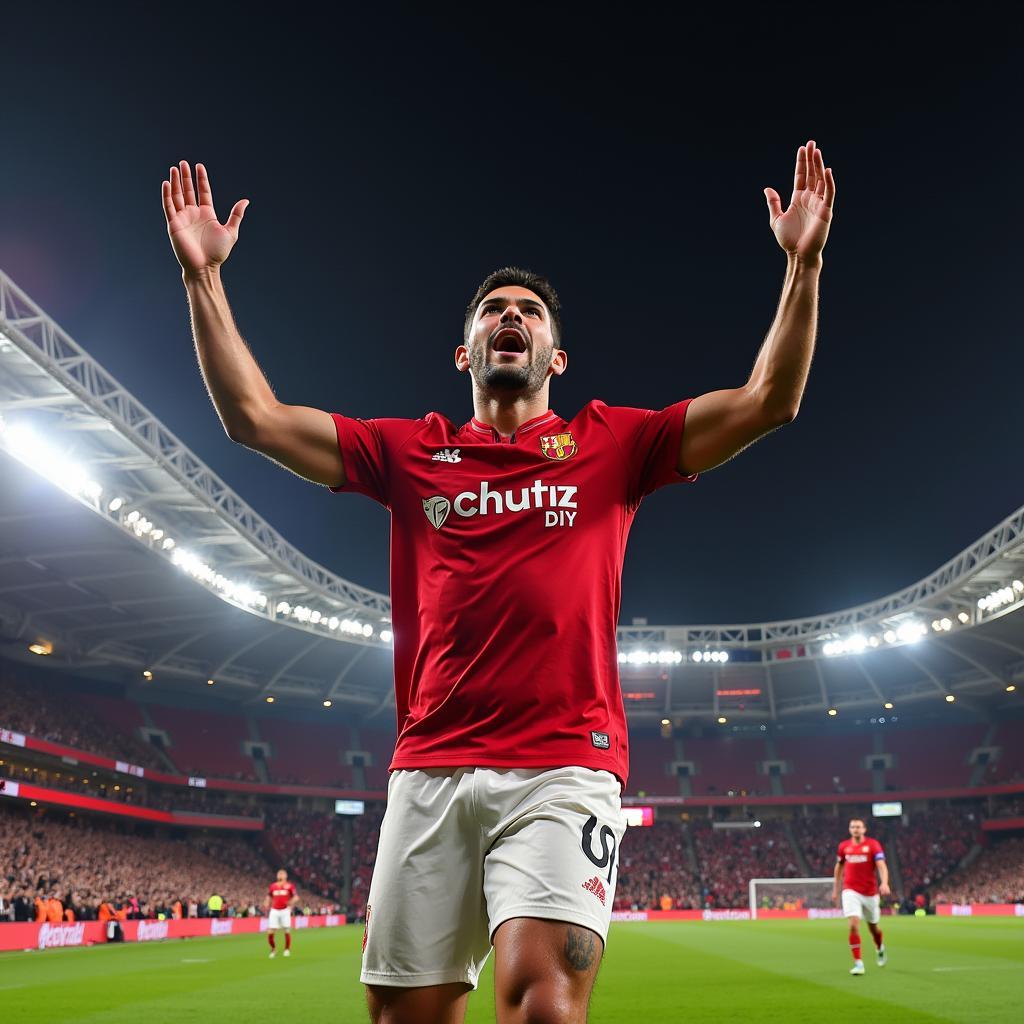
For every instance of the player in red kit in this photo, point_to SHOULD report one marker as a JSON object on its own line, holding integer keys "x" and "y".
{"x": 857, "y": 860}
{"x": 508, "y": 535}
{"x": 280, "y": 898}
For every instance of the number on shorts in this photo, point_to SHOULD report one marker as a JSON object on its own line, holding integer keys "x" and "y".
{"x": 607, "y": 837}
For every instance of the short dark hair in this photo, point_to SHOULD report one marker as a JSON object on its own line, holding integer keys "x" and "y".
{"x": 538, "y": 284}
{"x": 861, "y": 820}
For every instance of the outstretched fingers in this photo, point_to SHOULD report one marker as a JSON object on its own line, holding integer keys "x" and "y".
{"x": 186, "y": 183}
{"x": 819, "y": 174}
{"x": 203, "y": 181}
{"x": 830, "y": 188}
{"x": 165, "y": 195}
{"x": 176, "y": 197}
{"x": 800, "y": 174}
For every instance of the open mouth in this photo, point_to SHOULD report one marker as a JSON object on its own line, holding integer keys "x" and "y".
{"x": 509, "y": 339}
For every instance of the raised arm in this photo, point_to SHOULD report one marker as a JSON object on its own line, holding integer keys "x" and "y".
{"x": 721, "y": 424}
{"x": 299, "y": 438}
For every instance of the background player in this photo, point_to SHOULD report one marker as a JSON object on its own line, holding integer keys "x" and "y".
{"x": 281, "y": 897}
{"x": 857, "y": 859}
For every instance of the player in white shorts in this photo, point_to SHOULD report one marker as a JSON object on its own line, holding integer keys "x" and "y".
{"x": 281, "y": 897}
{"x": 858, "y": 860}
{"x": 462, "y": 851}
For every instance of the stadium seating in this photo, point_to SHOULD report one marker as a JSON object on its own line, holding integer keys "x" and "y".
{"x": 726, "y": 763}
{"x": 933, "y": 843}
{"x": 380, "y": 744}
{"x": 653, "y": 864}
{"x": 997, "y": 876}
{"x": 307, "y": 753}
{"x": 206, "y": 742}
{"x": 729, "y": 858}
{"x": 816, "y": 762}
{"x": 1009, "y": 738}
{"x": 916, "y": 764}
{"x": 649, "y": 759}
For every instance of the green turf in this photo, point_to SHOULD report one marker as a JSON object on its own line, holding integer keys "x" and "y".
{"x": 940, "y": 969}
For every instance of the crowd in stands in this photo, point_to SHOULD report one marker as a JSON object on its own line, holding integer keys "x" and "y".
{"x": 55, "y": 716}
{"x": 654, "y": 870}
{"x": 87, "y": 863}
{"x": 997, "y": 876}
{"x": 728, "y": 859}
{"x": 932, "y": 843}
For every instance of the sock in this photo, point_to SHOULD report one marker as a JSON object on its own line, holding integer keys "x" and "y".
{"x": 878, "y": 939}
{"x": 270, "y": 939}
{"x": 855, "y": 945}
{"x": 287, "y": 940}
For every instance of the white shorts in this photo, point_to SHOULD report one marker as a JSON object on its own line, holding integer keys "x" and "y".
{"x": 463, "y": 850}
{"x": 280, "y": 919}
{"x": 856, "y": 904}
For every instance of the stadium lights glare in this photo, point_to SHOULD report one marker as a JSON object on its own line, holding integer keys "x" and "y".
{"x": 964, "y": 618}
{"x": 42, "y": 647}
{"x": 209, "y": 682}
{"x": 198, "y": 569}
{"x": 650, "y": 657}
{"x": 950, "y": 698}
{"x": 115, "y": 504}
{"x": 832, "y": 712}
{"x": 328, "y": 703}
{"x": 722, "y": 719}
{"x": 851, "y": 645}
{"x": 27, "y": 447}
{"x": 911, "y": 631}
{"x": 386, "y": 636}
{"x": 665, "y": 721}
{"x": 1010, "y": 594}
{"x": 270, "y": 700}
{"x": 147, "y": 675}
{"x": 888, "y": 705}
{"x": 1010, "y": 688}
{"x": 716, "y": 656}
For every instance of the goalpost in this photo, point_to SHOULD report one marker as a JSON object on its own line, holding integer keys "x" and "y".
{"x": 774, "y": 893}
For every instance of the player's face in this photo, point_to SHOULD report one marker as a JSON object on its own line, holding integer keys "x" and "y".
{"x": 856, "y": 831}
{"x": 282, "y": 876}
{"x": 511, "y": 347}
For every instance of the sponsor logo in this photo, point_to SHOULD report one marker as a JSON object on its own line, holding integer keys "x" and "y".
{"x": 15, "y": 739}
{"x": 9, "y": 788}
{"x": 221, "y": 927}
{"x": 298, "y": 922}
{"x": 198, "y": 781}
{"x": 129, "y": 769}
{"x": 594, "y": 885}
{"x": 149, "y": 930}
{"x": 600, "y": 740}
{"x": 366, "y": 926}
{"x": 962, "y": 910}
{"x": 813, "y": 914}
{"x": 264, "y": 924}
{"x": 447, "y": 455}
{"x": 629, "y": 915}
{"x": 726, "y": 915}
{"x": 52, "y": 935}
{"x": 1018, "y": 909}
{"x": 331, "y": 920}
{"x": 558, "y": 502}
{"x": 558, "y": 446}
{"x": 856, "y": 858}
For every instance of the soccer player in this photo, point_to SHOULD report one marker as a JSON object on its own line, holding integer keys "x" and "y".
{"x": 508, "y": 535}
{"x": 857, "y": 859}
{"x": 280, "y": 898}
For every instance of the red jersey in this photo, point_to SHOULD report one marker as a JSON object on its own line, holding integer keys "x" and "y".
{"x": 506, "y": 564}
{"x": 281, "y": 894}
{"x": 858, "y": 860}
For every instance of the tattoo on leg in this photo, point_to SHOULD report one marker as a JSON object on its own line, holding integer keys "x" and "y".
{"x": 580, "y": 948}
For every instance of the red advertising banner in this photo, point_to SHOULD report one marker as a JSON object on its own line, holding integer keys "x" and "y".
{"x": 60, "y": 798}
{"x": 87, "y": 933}
{"x": 980, "y": 909}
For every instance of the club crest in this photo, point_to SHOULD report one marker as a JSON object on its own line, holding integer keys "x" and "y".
{"x": 558, "y": 447}
{"x": 437, "y": 509}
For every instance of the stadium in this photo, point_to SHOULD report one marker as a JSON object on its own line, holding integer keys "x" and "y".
{"x": 188, "y": 702}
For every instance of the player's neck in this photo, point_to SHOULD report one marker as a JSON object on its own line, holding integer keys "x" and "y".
{"x": 507, "y": 413}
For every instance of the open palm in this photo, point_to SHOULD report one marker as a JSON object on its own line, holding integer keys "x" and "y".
{"x": 802, "y": 229}
{"x": 199, "y": 240}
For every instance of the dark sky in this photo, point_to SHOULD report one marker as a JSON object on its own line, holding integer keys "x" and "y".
{"x": 393, "y": 160}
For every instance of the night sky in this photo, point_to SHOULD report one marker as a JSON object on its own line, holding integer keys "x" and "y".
{"x": 393, "y": 160}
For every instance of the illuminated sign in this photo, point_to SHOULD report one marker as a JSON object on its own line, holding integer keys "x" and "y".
{"x": 639, "y": 815}
{"x": 892, "y": 809}
{"x": 349, "y": 806}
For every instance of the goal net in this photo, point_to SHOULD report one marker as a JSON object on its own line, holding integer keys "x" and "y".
{"x": 790, "y": 894}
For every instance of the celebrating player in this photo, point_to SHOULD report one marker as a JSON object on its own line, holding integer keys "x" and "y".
{"x": 280, "y": 899}
{"x": 508, "y": 536}
{"x": 856, "y": 861}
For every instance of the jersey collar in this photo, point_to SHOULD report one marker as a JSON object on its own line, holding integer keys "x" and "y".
{"x": 485, "y": 432}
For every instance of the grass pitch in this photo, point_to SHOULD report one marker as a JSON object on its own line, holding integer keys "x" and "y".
{"x": 940, "y": 969}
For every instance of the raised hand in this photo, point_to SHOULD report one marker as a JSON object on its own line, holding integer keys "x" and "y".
{"x": 199, "y": 240}
{"x": 803, "y": 228}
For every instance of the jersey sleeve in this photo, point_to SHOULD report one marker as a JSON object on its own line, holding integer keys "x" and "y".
{"x": 840, "y": 854}
{"x": 878, "y": 853}
{"x": 650, "y": 442}
{"x": 368, "y": 448}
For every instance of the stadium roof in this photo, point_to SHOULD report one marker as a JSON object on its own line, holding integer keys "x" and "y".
{"x": 122, "y": 552}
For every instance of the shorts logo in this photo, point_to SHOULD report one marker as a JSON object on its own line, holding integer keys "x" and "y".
{"x": 558, "y": 447}
{"x": 600, "y": 740}
{"x": 366, "y": 926}
{"x": 594, "y": 885}
{"x": 437, "y": 509}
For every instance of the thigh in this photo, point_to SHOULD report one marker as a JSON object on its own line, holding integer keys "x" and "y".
{"x": 434, "y": 1004}
{"x": 544, "y": 970}
{"x": 852, "y": 906}
{"x": 872, "y": 909}
{"x": 425, "y": 920}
